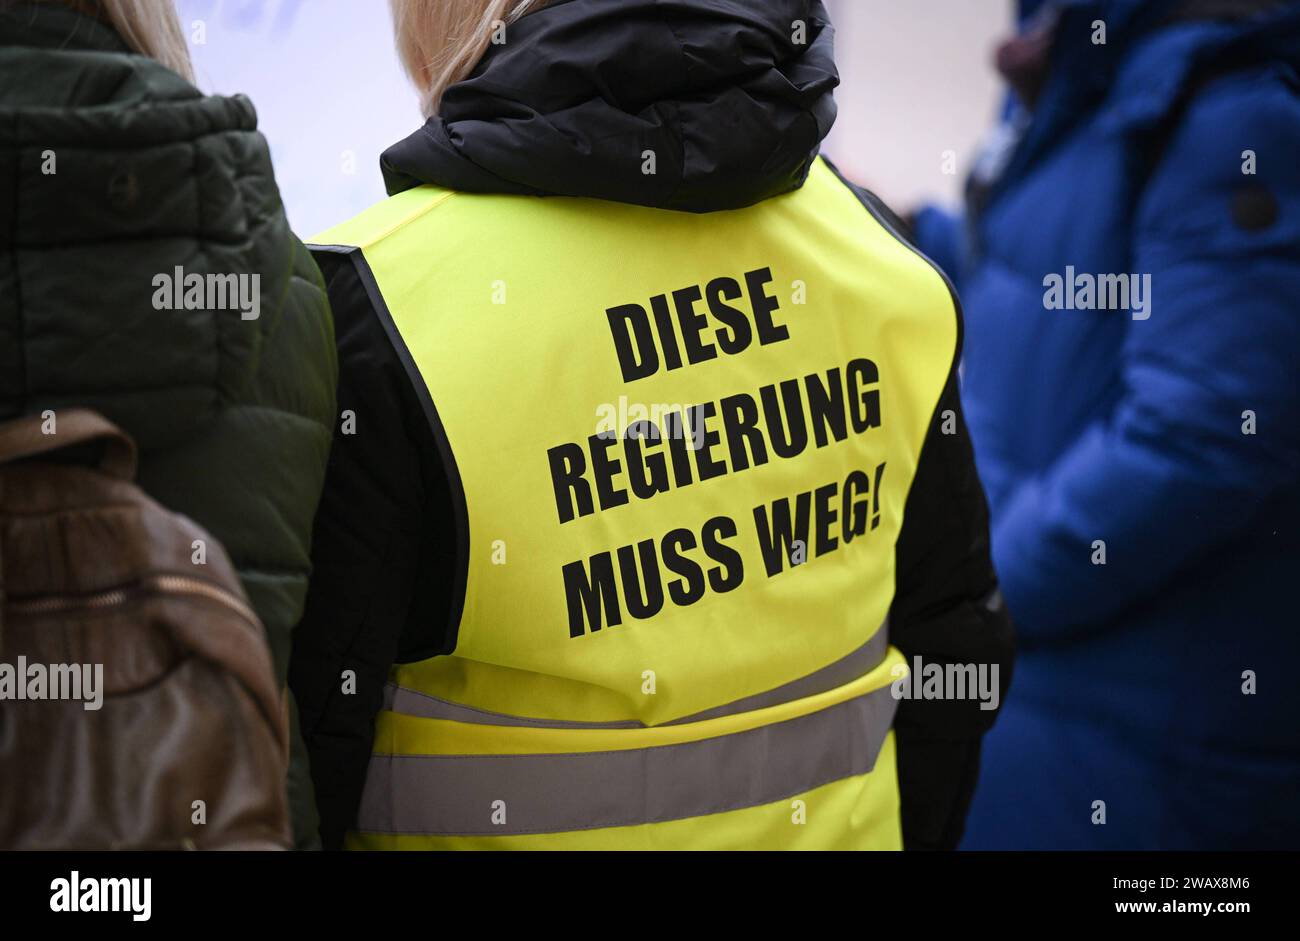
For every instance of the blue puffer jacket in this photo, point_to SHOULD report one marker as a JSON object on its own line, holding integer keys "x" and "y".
{"x": 1095, "y": 431}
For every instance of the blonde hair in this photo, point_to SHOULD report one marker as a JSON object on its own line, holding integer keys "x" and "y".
{"x": 440, "y": 41}
{"x": 151, "y": 28}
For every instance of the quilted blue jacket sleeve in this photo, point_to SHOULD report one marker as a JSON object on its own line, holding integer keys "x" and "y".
{"x": 1172, "y": 473}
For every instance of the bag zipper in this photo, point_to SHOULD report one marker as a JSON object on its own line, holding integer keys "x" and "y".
{"x": 113, "y": 597}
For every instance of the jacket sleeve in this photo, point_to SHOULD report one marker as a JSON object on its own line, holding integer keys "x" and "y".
{"x": 1175, "y": 470}
{"x": 947, "y": 609}
{"x": 367, "y": 604}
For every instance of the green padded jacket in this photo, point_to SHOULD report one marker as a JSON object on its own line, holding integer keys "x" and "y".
{"x": 118, "y": 178}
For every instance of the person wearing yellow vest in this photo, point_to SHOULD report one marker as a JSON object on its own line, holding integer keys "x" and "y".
{"x": 651, "y": 502}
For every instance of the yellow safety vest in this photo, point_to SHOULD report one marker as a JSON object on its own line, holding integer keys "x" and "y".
{"x": 684, "y": 444}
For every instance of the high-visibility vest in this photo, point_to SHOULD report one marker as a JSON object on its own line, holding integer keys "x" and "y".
{"x": 680, "y": 447}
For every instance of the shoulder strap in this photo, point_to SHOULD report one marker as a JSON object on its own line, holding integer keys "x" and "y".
{"x": 26, "y": 437}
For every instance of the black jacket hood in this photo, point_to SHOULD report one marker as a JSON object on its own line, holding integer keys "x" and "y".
{"x": 726, "y": 100}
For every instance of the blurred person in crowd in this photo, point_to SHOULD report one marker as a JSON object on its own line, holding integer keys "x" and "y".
{"x": 147, "y": 271}
{"x": 563, "y": 612}
{"x": 1129, "y": 264}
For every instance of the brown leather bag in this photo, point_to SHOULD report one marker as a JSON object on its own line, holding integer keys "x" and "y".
{"x": 189, "y": 746}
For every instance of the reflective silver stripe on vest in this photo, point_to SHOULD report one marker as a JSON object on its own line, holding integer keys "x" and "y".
{"x": 455, "y": 795}
{"x": 845, "y": 670}
{"x": 412, "y": 702}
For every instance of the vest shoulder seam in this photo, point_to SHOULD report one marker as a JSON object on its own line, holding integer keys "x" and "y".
{"x": 407, "y": 220}
{"x": 370, "y": 240}
{"x": 879, "y": 213}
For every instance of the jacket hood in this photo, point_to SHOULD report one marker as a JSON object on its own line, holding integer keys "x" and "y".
{"x": 1122, "y": 12}
{"x": 1116, "y": 13}
{"x": 1156, "y": 51}
{"x": 693, "y": 105}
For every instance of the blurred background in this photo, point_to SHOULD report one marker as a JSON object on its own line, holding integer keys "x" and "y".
{"x": 898, "y": 61}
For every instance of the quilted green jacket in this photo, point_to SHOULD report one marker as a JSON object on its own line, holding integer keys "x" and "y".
{"x": 119, "y": 179}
